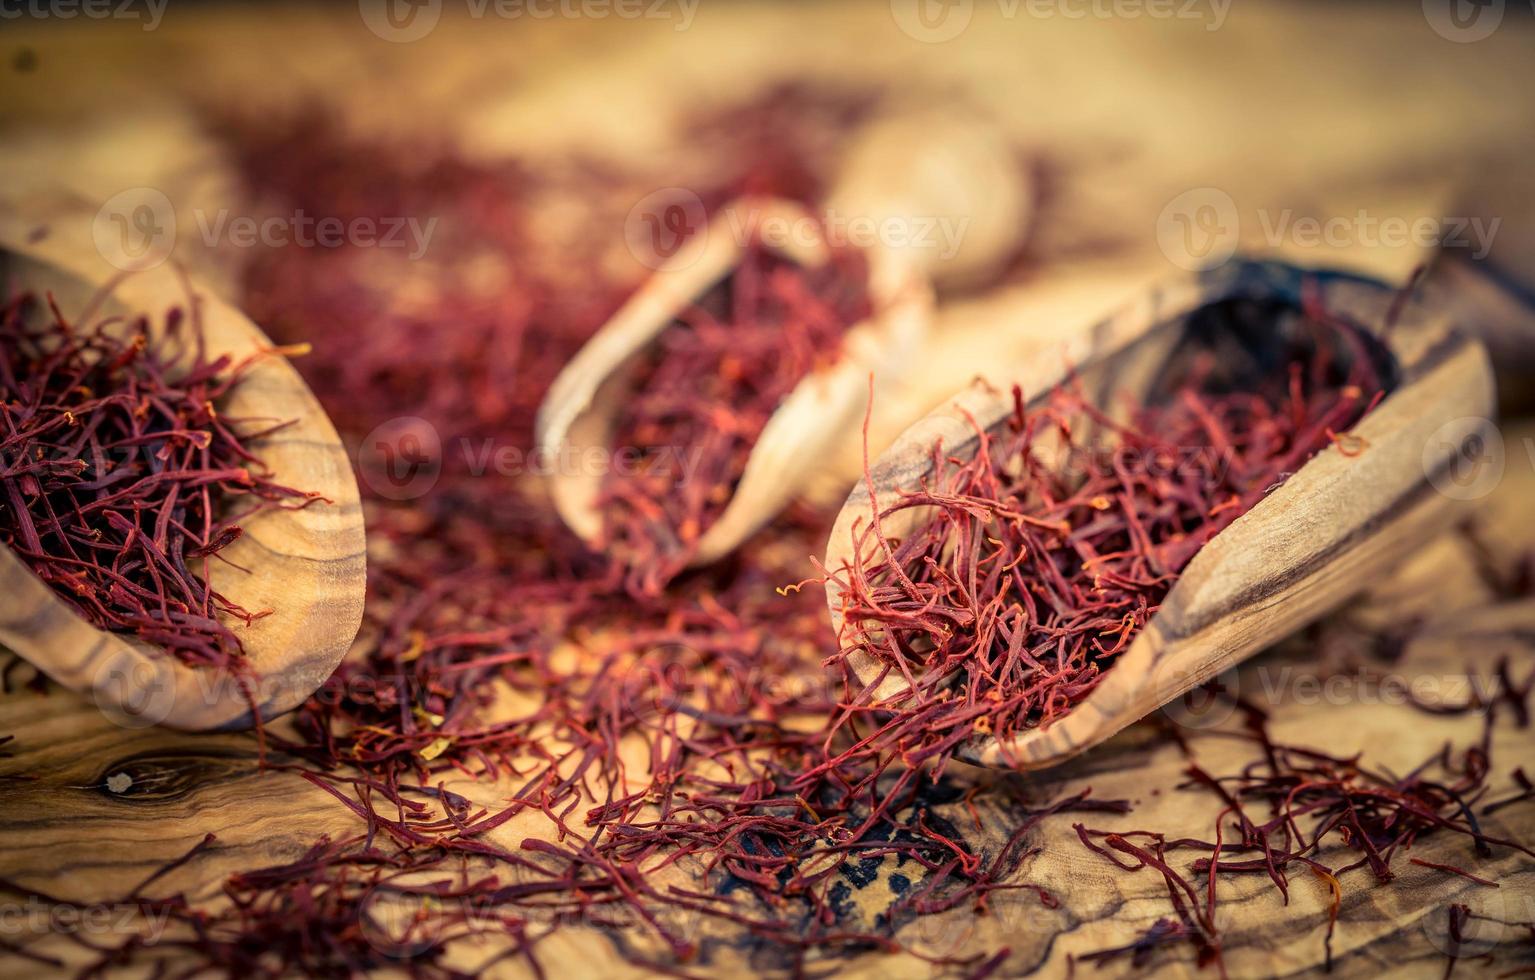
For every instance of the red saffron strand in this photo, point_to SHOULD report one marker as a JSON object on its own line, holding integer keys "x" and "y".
{"x": 120, "y": 481}
{"x": 678, "y": 750}
{"x": 1056, "y": 542}
{"x": 1325, "y": 810}
{"x": 703, "y": 395}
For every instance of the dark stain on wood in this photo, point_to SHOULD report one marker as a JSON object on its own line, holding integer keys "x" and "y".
{"x": 165, "y": 776}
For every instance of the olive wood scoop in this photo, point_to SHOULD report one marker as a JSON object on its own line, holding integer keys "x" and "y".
{"x": 305, "y": 565}
{"x": 914, "y": 167}
{"x": 1331, "y": 528}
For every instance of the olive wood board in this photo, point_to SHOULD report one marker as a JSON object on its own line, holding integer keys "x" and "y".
{"x": 76, "y": 829}
{"x": 1129, "y": 113}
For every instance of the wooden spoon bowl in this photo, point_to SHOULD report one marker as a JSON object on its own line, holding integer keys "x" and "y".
{"x": 307, "y": 566}
{"x": 1329, "y": 530}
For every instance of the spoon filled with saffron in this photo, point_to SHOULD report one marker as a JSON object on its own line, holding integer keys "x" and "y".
{"x": 940, "y": 199}
{"x": 183, "y": 535}
{"x": 1202, "y": 474}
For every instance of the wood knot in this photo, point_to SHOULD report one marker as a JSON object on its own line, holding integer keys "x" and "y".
{"x": 163, "y": 776}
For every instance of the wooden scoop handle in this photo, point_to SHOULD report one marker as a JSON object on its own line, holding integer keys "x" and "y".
{"x": 1491, "y": 304}
{"x": 941, "y": 193}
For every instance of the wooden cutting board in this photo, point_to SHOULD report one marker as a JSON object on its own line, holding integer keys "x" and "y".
{"x": 1133, "y": 112}
{"x": 98, "y": 807}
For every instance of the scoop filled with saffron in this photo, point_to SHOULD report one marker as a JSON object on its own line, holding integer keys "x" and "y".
{"x": 183, "y": 538}
{"x": 1026, "y": 572}
{"x": 717, "y": 389}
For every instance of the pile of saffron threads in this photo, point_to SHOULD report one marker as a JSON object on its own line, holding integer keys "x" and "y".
{"x": 704, "y": 393}
{"x": 1303, "y": 809}
{"x": 496, "y": 645}
{"x": 120, "y": 482}
{"x": 1037, "y": 561}
{"x": 653, "y": 760}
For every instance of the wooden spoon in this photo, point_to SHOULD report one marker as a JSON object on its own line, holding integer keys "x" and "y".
{"x": 307, "y": 566}
{"x": 1330, "y": 529}
{"x": 911, "y": 172}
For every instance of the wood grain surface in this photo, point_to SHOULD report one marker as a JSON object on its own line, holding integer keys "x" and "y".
{"x": 74, "y": 828}
{"x": 1127, "y": 114}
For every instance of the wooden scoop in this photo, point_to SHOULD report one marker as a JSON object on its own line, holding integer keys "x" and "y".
{"x": 307, "y": 566}
{"x": 1328, "y": 531}
{"x": 910, "y": 173}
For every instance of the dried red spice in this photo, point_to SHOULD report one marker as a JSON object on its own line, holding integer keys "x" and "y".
{"x": 480, "y": 599}
{"x": 120, "y": 482}
{"x": 1038, "y": 560}
{"x": 680, "y": 749}
{"x": 1296, "y": 808}
{"x": 703, "y": 394}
